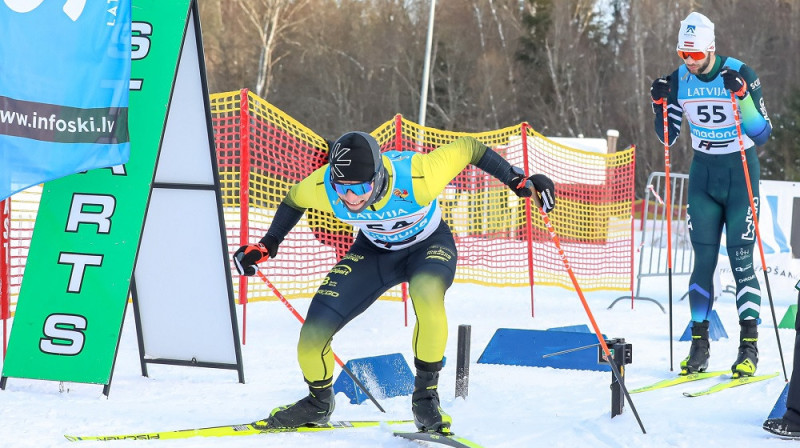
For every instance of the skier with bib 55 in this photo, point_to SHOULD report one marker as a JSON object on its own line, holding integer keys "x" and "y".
{"x": 718, "y": 196}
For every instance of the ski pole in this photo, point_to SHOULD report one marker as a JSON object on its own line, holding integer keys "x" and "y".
{"x": 338, "y": 361}
{"x": 668, "y": 200}
{"x": 755, "y": 223}
{"x": 606, "y": 351}
{"x": 569, "y": 350}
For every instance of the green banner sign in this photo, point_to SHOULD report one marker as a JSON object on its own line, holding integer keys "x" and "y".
{"x": 77, "y": 275}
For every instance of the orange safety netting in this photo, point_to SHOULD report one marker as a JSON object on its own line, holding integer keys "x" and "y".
{"x": 17, "y": 218}
{"x": 592, "y": 218}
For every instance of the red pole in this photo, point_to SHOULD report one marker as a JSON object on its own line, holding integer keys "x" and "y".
{"x": 633, "y": 211}
{"x": 244, "y": 195}
{"x": 398, "y": 132}
{"x": 747, "y": 181}
{"x": 5, "y": 262}
{"x": 398, "y": 146}
{"x": 667, "y": 194}
{"x": 668, "y": 200}
{"x": 528, "y": 214}
{"x": 755, "y": 223}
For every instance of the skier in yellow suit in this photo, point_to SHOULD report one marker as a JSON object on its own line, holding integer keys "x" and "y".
{"x": 391, "y": 199}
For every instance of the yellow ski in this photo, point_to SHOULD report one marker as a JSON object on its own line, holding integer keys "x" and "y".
{"x": 733, "y": 382}
{"x": 680, "y": 380}
{"x": 244, "y": 429}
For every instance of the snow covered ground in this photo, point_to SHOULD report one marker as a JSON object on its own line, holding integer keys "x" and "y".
{"x": 507, "y": 406}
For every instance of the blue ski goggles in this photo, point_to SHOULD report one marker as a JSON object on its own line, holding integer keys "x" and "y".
{"x": 357, "y": 189}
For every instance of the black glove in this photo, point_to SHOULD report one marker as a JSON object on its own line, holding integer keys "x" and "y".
{"x": 546, "y": 190}
{"x": 521, "y": 186}
{"x": 659, "y": 90}
{"x": 734, "y": 82}
{"x": 247, "y": 257}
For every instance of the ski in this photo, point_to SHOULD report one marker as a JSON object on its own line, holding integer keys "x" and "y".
{"x": 244, "y": 429}
{"x": 680, "y": 380}
{"x": 437, "y": 438}
{"x": 732, "y": 382}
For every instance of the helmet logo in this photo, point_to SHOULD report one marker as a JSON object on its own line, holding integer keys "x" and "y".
{"x": 690, "y": 29}
{"x": 338, "y": 161}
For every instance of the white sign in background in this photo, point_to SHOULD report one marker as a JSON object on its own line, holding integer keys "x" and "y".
{"x": 775, "y": 226}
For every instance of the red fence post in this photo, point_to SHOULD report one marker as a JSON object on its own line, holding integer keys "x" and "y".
{"x": 398, "y": 132}
{"x": 633, "y": 211}
{"x": 244, "y": 195}
{"x": 528, "y": 217}
{"x": 5, "y": 262}
{"x": 398, "y": 146}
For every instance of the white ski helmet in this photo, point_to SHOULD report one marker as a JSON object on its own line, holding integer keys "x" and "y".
{"x": 696, "y": 34}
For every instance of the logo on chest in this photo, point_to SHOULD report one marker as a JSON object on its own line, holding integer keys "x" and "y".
{"x": 390, "y": 226}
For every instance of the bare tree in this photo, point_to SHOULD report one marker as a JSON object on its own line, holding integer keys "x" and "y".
{"x": 562, "y": 54}
{"x": 271, "y": 20}
{"x": 354, "y": 64}
{"x": 226, "y": 51}
{"x": 569, "y": 67}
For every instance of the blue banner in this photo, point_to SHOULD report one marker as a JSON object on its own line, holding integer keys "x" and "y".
{"x": 65, "y": 70}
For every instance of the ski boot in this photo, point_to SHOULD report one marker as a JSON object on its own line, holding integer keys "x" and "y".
{"x": 697, "y": 361}
{"x": 782, "y": 427}
{"x": 746, "y": 362}
{"x": 313, "y": 410}
{"x": 428, "y": 414}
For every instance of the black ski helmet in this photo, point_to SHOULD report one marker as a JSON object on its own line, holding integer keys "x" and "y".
{"x": 356, "y": 157}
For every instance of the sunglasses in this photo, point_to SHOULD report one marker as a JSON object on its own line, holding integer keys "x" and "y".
{"x": 696, "y": 55}
{"x": 357, "y": 189}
